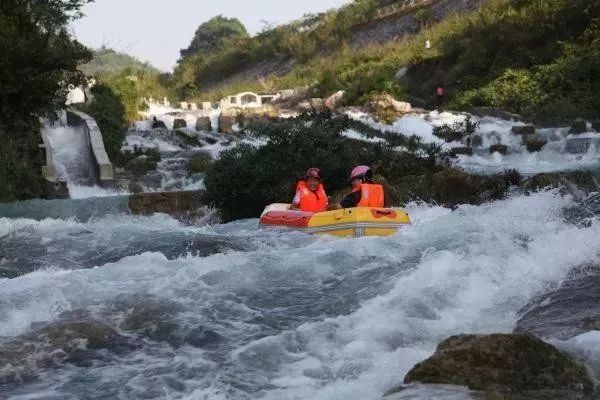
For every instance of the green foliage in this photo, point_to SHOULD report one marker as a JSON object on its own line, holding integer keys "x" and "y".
{"x": 20, "y": 165}
{"x": 39, "y": 57}
{"x": 108, "y": 61}
{"x": 457, "y": 131}
{"x": 200, "y": 164}
{"x": 246, "y": 178}
{"x": 109, "y": 112}
{"x": 139, "y": 161}
{"x": 214, "y": 35}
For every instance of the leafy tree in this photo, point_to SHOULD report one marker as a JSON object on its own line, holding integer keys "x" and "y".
{"x": 39, "y": 57}
{"x": 214, "y": 35}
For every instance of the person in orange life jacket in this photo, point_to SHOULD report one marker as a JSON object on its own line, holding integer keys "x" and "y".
{"x": 310, "y": 194}
{"x": 365, "y": 193}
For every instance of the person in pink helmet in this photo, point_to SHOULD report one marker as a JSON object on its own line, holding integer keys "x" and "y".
{"x": 365, "y": 193}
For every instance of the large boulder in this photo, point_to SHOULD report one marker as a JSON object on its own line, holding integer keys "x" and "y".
{"x": 55, "y": 344}
{"x": 179, "y": 123}
{"x": 336, "y": 100}
{"x": 387, "y": 109}
{"x": 228, "y": 119}
{"x": 203, "y": 124}
{"x": 505, "y": 364}
{"x": 533, "y": 142}
{"x": 317, "y": 105}
{"x": 467, "y": 151}
{"x": 586, "y": 181}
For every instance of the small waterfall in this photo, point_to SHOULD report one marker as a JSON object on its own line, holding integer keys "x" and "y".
{"x": 71, "y": 155}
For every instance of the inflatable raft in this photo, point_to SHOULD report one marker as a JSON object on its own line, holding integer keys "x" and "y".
{"x": 357, "y": 222}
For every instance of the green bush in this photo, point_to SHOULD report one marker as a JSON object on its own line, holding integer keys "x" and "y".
{"x": 457, "y": 131}
{"x": 200, "y": 164}
{"x": 109, "y": 112}
{"x": 247, "y": 178}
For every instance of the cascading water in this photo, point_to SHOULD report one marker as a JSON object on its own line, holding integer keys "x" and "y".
{"x": 232, "y": 312}
{"x": 70, "y": 153}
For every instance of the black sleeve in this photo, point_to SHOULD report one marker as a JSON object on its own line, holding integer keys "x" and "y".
{"x": 351, "y": 200}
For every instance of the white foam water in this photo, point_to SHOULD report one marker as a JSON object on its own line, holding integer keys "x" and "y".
{"x": 299, "y": 316}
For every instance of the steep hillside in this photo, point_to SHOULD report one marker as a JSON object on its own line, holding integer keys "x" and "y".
{"x": 109, "y": 61}
{"x": 539, "y": 59}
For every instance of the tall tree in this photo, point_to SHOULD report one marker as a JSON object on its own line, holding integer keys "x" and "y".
{"x": 39, "y": 57}
{"x": 214, "y": 35}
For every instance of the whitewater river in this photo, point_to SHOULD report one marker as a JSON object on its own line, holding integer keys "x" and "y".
{"x": 233, "y": 312}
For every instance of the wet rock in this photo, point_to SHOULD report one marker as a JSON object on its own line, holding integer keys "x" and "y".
{"x": 507, "y": 365}
{"x": 55, "y": 344}
{"x": 499, "y": 148}
{"x": 524, "y": 130}
{"x": 336, "y": 100}
{"x": 181, "y": 205}
{"x": 534, "y": 143}
{"x": 156, "y": 124}
{"x": 203, "y": 337}
{"x": 450, "y": 188}
{"x": 229, "y": 117}
{"x": 152, "y": 317}
{"x": 461, "y": 150}
{"x": 476, "y": 141}
{"x": 570, "y": 310}
{"x": 578, "y": 126}
{"x": 179, "y": 123}
{"x": 203, "y": 124}
{"x": 586, "y": 181}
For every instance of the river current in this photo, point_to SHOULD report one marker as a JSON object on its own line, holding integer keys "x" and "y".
{"x": 233, "y": 312}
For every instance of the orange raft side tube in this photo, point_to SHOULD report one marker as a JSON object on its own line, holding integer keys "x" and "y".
{"x": 357, "y": 221}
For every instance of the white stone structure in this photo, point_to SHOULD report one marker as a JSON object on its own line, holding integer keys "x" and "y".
{"x": 248, "y": 100}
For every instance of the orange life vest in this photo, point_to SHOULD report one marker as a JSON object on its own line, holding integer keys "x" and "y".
{"x": 371, "y": 195}
{"x": 308, "y": 200}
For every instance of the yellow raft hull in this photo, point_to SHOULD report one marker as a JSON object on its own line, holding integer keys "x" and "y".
{"x": 357, "y": 222}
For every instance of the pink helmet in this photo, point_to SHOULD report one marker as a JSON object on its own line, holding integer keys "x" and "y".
{"x": 363, "y": 172}
{"x": 313, "y": 173}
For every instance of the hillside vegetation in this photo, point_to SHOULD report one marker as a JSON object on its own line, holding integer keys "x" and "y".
{"x": 537, "y": 58}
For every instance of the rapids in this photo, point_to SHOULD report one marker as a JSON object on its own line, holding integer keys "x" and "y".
{"x": 232, "y": 312}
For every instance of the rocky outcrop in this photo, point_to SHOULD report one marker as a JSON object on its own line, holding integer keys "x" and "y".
{"x": 336, "y": 100}
{"x": 534, "y": 142}
{"x": 505, "y": 365}
{"x": 186, "y": 206}
{"x": 387, "y": 109}
{"x": 570, "y": 310}
{"x": 524, "y": 130}
{"x": 55, "y": 344}
{"x": 461, "y": 151}
{"x": 586, "y": 181}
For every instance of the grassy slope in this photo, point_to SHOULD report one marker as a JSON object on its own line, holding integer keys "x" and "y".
{"x": 540, "y": 59}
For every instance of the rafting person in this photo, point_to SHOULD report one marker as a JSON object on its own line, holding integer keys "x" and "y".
{"x": 310, "y": 193}
{"x": 365, "y": 193}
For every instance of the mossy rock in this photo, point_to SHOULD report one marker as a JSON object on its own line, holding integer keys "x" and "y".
{"x": 584, "y": 180}
{"x": 503, "y": 363}
{"x": 524, "y": 130}
{"x": 500, "y": 148}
